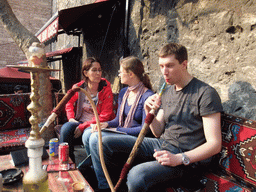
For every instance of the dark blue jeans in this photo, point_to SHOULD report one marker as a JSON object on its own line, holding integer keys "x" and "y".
{"x": 117, "y": 148}
{"x": 147, "y": 173}
{"x": 67, "y": 135}
{"x": 86, "y": 138}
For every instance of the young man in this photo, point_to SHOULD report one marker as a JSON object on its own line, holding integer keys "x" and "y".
{"x": 187, "y": 129}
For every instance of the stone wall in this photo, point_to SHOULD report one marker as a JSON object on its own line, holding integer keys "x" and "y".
{"x": 219, "y": 36}
{"x": 33, "y": 15}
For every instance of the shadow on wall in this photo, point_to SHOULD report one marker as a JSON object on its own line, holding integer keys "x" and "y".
{"x": 242, "y": 100}
{"x": 142, "y": 33}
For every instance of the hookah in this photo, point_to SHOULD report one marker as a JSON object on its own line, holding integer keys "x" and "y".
{"x": 36, "y": 179}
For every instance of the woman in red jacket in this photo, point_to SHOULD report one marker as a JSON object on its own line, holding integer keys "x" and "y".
{"x": 81, "y": 116}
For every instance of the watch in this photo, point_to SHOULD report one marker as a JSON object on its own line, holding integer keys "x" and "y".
{"x": 185, "y": 159}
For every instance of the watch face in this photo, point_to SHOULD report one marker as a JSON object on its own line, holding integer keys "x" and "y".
{"x": 185, "y": 159}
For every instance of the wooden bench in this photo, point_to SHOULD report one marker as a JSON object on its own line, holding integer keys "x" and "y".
{"x": 14, "y": 121}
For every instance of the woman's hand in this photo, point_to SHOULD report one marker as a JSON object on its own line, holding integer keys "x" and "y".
{"x": 77, "y": 133}
{"x": 72, "y": 120}
{"x": 102, "y": 126}
{"x": 167, "y": 158}
{"x": 94, "y": 127}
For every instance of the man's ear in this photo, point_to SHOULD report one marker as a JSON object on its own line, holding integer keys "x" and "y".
{"x": 185, "y": 64}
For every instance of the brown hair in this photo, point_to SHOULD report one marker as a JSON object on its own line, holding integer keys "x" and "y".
{"x": 135, "y": 65}
{"x": 176, "y": 49}
{"x": 87, "y": 65}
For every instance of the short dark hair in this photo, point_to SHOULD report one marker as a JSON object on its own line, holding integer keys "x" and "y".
{"x": 176, "y": 49}
{"x": 18, "y": 87}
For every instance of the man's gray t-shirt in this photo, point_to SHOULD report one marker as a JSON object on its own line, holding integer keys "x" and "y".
{"x": 183, "y": 111}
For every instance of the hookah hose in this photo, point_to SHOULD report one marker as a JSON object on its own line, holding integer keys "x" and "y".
{"x": 99, "y": 140}
{"x": 58, "y": 108}
{"x": 148, "y": 120}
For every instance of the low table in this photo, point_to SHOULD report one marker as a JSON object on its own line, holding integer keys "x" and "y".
{"x": 55, "y": 185}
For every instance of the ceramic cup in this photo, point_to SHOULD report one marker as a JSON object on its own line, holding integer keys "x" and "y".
{"x": 78, "y": 186}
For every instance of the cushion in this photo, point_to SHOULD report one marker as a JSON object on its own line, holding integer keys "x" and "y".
{"x": 13, "y": 111}
{"x": 238, "y": 156}
{"x": 11, "y": 140}
{"x": 215, "y": 183}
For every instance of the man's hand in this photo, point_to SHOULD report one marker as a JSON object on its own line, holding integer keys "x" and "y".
{"x": 167, "y": 158}
{"x": 152, "y": 102}
{"x": 77, "y": 133}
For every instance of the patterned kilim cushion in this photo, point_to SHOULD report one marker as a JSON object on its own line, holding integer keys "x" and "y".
{"x": 13, "y": 139}
{"x": 238, "y": 156}
{"x": 13, "y": 111}
{"x": 215, "y": 183}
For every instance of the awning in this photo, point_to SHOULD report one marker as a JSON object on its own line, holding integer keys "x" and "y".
{"x": 49, "y": 55}
{"x": 58, "y": 52}
{"x": 8, "y": 72}
{"x": 93, "y": 18}
{"x": 14, "y": 73}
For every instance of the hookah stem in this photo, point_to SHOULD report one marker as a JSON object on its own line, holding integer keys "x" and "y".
{"x": 58, "y": 108}
{"x": 99, "y": 140}
{"x": 148, "y": 120}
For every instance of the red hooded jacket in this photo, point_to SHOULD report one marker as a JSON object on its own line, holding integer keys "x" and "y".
{"x": 104, "y": 104}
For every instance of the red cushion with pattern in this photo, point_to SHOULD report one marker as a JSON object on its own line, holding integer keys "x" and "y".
{"x": 11, "y": 140}
{"x": 238, "y": 156}
{"x": 13, "y": 111}
{"x": 215, "y": 183}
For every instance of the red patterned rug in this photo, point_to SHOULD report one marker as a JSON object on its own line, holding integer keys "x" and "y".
{"x": 216, "y": 183}
{"x": 14, "y": 121}
{"x": 238, "y": 151}
{"x": 11, "y": 140}
{"x": 13, "y": 111}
